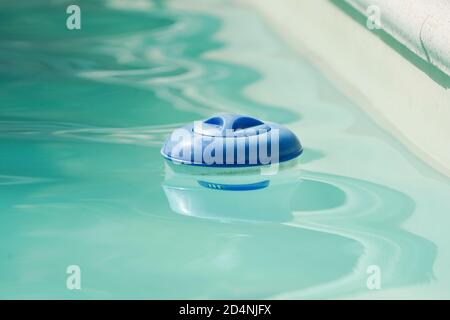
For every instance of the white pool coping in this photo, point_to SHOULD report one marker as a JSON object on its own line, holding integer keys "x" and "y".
{"x": 423, "y": 26}
{"x": 396, "y": 93}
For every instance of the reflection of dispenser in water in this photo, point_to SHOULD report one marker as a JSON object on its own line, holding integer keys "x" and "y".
{"x": 223, "y": 168}
{"x": 240, "y": 196}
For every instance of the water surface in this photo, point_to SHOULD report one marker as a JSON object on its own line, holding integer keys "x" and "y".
{"x": 83, "y": 115}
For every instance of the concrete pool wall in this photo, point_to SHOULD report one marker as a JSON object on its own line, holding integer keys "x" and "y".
{"x": 398, "y": 74}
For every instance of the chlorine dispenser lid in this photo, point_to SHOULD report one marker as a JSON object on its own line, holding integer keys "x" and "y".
{"x": 230, "y": 140}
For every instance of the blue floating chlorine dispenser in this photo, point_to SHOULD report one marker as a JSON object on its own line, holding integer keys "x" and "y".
{"x": 231, "y": 167}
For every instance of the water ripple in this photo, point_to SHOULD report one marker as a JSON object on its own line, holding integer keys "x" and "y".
{"x": 372, "y": 215}
{"x": 142, "y": 136}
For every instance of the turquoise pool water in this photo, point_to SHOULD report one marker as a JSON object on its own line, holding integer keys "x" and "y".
{"x": 83, "y": 115}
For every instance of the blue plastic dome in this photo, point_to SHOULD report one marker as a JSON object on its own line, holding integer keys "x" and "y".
{"x": 230, "y": 140}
